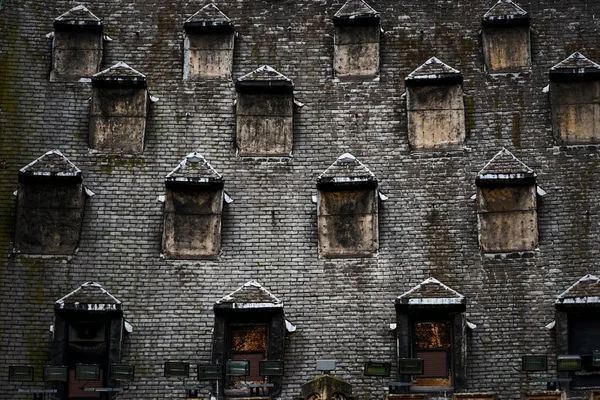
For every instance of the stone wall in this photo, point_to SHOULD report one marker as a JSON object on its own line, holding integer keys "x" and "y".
{"x": 342, "y": 308}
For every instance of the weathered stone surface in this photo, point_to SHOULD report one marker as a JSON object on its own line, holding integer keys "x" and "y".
{"x": 192, "y": 223}
{"x": 264, "y": 124}
{"x": 576, "y": 111}
{"x": 356, "y": 51}
{"x": 507, "y": 49}
{"x": 118, "y": 119}
{"x": 208, "y": 55}
{"x": 436, "y": 116}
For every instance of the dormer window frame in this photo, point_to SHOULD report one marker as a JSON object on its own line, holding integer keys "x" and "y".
{"x": 199, "y": 30}
{"x": 67, "y": 25}
{"x": 506, "y": 28}
{"x": 356, "y": 23}
{"x": 435, "y": 82}
{"x": 128, "y": 89}
{"x": 362, "y": 188}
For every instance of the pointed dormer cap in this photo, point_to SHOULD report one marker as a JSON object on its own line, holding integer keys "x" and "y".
{"x": 584, "y": 292}
{"x": 266, "y": 80}
{"x": 194, "y": 170}
{"x": 356, "y": 12}
{"x": 251, "y": 295}
{"x": 51, "y": 165}
{"x": 347, "y": 170}
{"x": 506, "y": 13}
{"x": 89, "y": 297}
{"x": 431, "y": 293}
{"x": 576, "y": 67}
{"x": 434, "y": 72}
{"x": 208, "y": 20}
{"x": 119, "y": 75}
{"x": 505, "y": 167}
{"x": 78, "y": 19}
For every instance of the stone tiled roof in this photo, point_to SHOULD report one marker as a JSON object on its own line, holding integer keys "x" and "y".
{"x": 79, "y": 13}
{"x": 585, "y": 290}
{"x": 210, "y": 14}
{"x": 89, "y": 293}
{"x": 433, "y": 69}
{"x": 504, "y": 9}
{"x": 192, "y": 168}
{"x": 346, "y": 167}
{"x": 431, "y": 288}
{"x": 52, "y": 163}
{"x": 504, "y": 163}
{"x": 264, "y": 73}
{"x": 251, "y": 295}
{"x": 356, "y": 8}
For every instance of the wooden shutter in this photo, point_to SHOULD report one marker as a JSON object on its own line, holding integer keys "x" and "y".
{"x": 435, "y": 363}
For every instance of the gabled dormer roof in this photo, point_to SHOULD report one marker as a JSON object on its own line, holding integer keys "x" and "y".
{"x": 194, "y": 169}
{"x": 575, "y": 67}
{"x": 431, "y": 292}
{"x": 119, "y": 74}
{"x": 583, "y": 292}
{"x": 208, "y": 19}
{"x": 265, "y": 78}
{"x": 251, "y": 295}
{"x": 433, "y": 72}
{"x": 504, "y": 166}
{"x": 356, "y": 12}
{"x": 78, "y": 18}
{"x": 506, "y": 13}
{"x": 52, "y": 164}
{"x": 90, "y": 296}
{"x": 346, "y": 170}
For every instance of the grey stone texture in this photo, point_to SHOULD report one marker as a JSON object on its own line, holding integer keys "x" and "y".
{"x": 342, "y": 308}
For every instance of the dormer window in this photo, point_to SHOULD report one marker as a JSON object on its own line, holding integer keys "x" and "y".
{"x": 249, "y": 326}
{"x": 356, "y": 46}
{"x": 347, "y": 210}
{"x": 77, "y": 45}
{"x": 119, "y": 109}
{"x": 578, "y": 330}
{"x": 88, "y": 329}
{"x": 265, "y": 109}
{"x": 431, "y": 326}
{"x": 506, "y": 38}
{"x": 208, "y": 46}
{"x": 50, "y": 203}
{"x": 435, "y": 106}
{"x": 193, "y": 207}
{"x": 574, "y": 88}
{"x": 507, "y": 205}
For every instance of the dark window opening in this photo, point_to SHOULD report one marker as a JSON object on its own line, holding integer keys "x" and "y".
{"x": 584, "y": 339}
{"x": 77, "y": 386}
{"x": 432, "y": 342}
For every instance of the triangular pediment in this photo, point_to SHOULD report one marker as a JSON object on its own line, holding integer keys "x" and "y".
{"x": 250, "y": 295}
{"x": 347, "y": 169}
{"x": 434, "y": 69}
{"x": 432, "y": 291}
{"x": 504, "y": 165}
{"x": 585, "y": 291}
{"x": 194, "y": 168}
{"x": 210, "y": 13}
{"x": 504, "y": 9}
{"x": 79, "y": 13}
{"x": 264, "y": 73}
{"x": 356, "y": 8}
{"x": 576, "y": 62}
{"x": 90, "y": 296}
{"x": 52, "y": 163}
{"x": 121, "y": 70}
